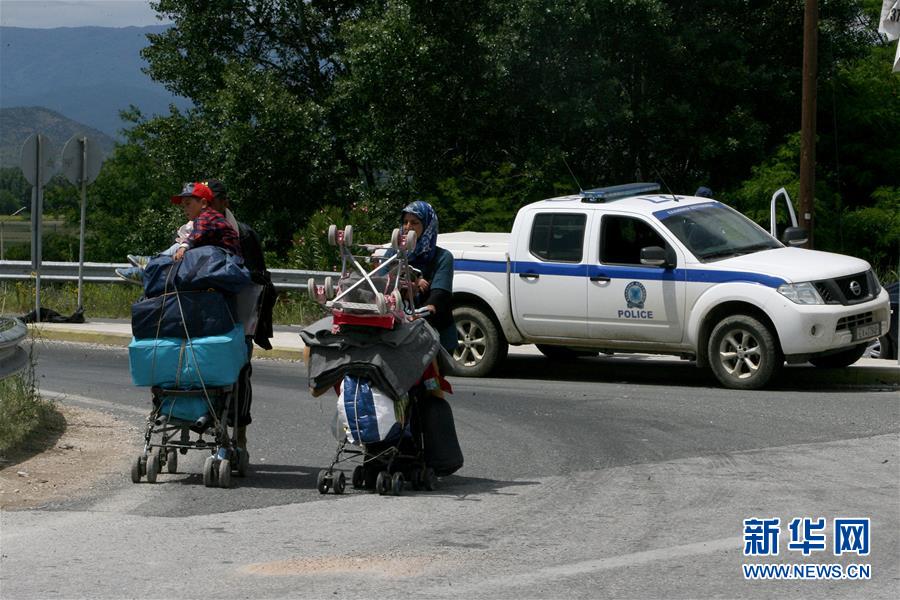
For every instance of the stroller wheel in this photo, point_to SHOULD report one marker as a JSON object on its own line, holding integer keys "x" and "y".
{"x": 383, "y": 483}
{"x": 209, "y": 471}
{"x": 359, "y": 477}
{"x": 332, "y": 235}
{"x": 410, "y": 241}
{"x": 395, "y": 239}
{"x": 381, "y": 303}
{"x": 136, "y": 469}
{"x": 322, "y": 482}
{"x": 348, "y": 236}
{"x": 416, "y": 479}
{"x": 153, "y": 464}
{"x": 371, "y": 478}
{"x": 225, "y": 473}
{"x": 398, "y": 300}
{"x": 311, "y": 289}
{"x": 397, "y": 482}
{"x": 329, "y": 288}
{"x": 243, "y": 462}
{"x": 339, "y": 482}
{"x": 430, "y": 480}
{"x": 172, "y": 461}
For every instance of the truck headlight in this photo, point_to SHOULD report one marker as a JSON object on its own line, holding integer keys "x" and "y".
{"x": 801, "y": 293}
{"x": 875, "y": 284}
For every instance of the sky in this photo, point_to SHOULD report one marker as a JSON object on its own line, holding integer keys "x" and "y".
{"x": 43, "y": 14}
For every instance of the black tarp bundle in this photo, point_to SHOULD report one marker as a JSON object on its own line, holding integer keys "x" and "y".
{"x": 393, "y": 359}
{"x": 51, "y": 316}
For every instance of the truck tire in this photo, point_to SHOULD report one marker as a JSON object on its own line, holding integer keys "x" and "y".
{"x": 564, "y": 353}
{"x": 743, "y": 354}
{"x": 841, "y": 359}
{"x": 481, "y": 346}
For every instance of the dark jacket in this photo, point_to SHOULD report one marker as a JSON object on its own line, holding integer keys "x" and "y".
{"x": 255, "y": 261}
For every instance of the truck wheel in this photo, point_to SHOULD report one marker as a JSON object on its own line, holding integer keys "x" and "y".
{"x": 563, "y": 353}
{"x": 743, "y": 354}
{"x": 844, "y": 358}
{"x": 481, "y": 346}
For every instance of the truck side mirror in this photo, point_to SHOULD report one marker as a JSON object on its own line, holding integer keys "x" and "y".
{"x": 794, "y": 236}
{"x": 654, "y": 256}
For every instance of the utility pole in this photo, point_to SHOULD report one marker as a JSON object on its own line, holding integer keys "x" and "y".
{"x": 808, "y": 117}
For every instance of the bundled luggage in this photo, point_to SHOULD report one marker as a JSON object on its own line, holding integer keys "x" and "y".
{"x": 190, "y": 347}
{"x": 386, "y": 369}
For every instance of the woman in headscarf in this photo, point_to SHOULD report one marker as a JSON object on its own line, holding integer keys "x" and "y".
{"x": 435, "y": 286}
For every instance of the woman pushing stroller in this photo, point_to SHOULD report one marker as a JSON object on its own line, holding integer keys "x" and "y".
{"x": 435, "y": 285}
{"x": 385, "y": 361}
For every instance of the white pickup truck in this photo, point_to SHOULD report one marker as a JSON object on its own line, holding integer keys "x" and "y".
{"x": 627, "y": 269}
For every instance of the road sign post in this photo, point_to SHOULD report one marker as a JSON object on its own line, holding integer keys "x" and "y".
{"x": 81, "y": 164}
{"x": 38, "y": 168}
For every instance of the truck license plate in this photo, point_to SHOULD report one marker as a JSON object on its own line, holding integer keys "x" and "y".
{"x": 866, "y": 331}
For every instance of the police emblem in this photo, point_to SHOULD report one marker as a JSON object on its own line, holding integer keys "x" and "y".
{"x": 635, "y": 294}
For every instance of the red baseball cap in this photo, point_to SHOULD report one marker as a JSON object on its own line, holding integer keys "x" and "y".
{"x": 197, "y": 189}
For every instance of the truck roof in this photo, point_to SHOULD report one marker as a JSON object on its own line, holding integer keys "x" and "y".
{"x": 644, "y": 203}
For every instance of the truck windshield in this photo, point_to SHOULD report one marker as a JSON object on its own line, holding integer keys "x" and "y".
{"x": 713, "y": 231}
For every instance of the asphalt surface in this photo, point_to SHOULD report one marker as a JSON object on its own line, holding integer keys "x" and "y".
{"x": 597, "y": 478}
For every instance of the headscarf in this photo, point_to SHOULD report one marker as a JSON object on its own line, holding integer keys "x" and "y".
{"x": 426, "y": 245}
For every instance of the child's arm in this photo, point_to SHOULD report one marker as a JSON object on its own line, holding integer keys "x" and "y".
{"x": 181, "y": 236}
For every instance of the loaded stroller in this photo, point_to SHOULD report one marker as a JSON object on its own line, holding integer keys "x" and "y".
{"x": 380, "y": 362}
{"x": 189, "y": 347}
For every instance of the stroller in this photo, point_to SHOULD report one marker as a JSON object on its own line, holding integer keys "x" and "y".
{"x": 382, "y": 366}
{"x": 370, "y": 294}
{"x": 190, "y": 348}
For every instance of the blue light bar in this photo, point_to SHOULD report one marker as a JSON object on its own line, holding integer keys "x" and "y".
{"x": 615, "y": 192}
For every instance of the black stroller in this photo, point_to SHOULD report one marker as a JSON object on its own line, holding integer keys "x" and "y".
{"x": 385, "y": 369}
{"x": 190, "y": 348}
{"x": 172, "y": 420}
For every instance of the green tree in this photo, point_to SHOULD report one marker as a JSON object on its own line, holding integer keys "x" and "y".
{"x": 302, "y": 104}
{"x": 857, "y": 183}
{"x": 261, "y": 75}
{"x": 16, "y": 187}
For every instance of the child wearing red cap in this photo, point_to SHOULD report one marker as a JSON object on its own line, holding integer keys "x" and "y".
{"x": 205, "y": 227}
{"x": 210, "y": 226}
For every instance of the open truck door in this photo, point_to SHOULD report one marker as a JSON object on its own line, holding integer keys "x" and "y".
{"x": 791, "y": 234}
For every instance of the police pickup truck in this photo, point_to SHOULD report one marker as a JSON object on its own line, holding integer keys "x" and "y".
{"x": 628, "y": 269}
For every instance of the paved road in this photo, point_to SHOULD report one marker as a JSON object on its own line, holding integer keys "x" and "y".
{"x": 604, "y": 478}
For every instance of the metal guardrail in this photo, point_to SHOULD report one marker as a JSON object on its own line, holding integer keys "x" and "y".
{"x": 12, "y": 358}
{"x": 284, "y": 279}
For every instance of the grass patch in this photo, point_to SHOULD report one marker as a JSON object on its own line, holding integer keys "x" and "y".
{"x": 295, "y": 308}
{"x": 105, "y": 300}
{"x": 114, "y": 300}
{"x": 28, "y": 423}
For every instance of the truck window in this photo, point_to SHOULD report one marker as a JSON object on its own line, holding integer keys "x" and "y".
{"x": 621, "y": 239}
{"x": 558, "y": 237}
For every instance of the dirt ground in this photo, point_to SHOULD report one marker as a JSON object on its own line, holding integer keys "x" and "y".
{"x": 93, "y": 447}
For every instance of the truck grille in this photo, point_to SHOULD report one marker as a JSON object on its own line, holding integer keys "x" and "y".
{"x": 855, "y": 321}
{"x": 849, "y": 290}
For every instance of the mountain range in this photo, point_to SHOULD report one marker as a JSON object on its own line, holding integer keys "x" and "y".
{"x": 88, "y": 74}
{"x": 16, "y": 124}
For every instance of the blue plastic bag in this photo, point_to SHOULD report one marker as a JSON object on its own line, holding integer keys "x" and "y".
{"x": 366, "y": 415}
